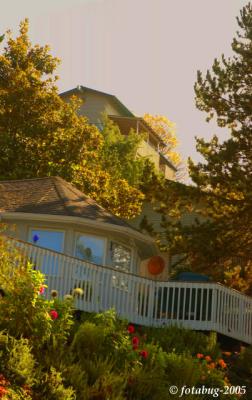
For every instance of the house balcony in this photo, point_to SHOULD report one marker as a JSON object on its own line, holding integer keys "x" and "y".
{"x": 195, "y": 305}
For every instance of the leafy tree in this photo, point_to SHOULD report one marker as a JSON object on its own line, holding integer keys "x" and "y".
{"x": 41, "y": 135}
{"x": 119, "y": 154}
{"x": 166, "y": 130}
{"x": 220, "y": 241}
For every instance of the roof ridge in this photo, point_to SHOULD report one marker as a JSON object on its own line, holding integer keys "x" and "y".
{"x": 78, "y": 192}
{"x": 93, "y": 202}
{"x": 28, "y": 179}
{"x": 88, "y": 199}
{"x": 55, "y": 182}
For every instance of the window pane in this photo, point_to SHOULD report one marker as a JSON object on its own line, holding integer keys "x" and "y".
{"x": 120, "y": 257}
{"x": 90, "y": 248}
{"x": 52, "y": 240}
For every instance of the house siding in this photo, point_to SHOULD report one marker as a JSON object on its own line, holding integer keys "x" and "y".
{"x": 94, "y": 105}
{"x": 145, "y": 150}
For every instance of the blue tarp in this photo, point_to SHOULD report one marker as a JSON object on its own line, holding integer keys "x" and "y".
{"x": 192, "y": 277}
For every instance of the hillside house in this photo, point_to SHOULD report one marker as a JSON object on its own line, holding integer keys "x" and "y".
{"x": 96, "y": 103}
{"x": 78, "y": 244}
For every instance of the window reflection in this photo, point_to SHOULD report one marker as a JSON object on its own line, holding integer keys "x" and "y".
{"x": 121, "y": 260}
{"x": 120, "y": 257}
{"x": 90, "y": 248}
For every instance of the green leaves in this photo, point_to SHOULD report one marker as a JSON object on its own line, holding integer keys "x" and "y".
{"x": 216, "y": 214}
{"x": 42, "y": 135}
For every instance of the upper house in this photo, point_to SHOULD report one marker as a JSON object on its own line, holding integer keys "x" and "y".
{"x": 96, "y": 103}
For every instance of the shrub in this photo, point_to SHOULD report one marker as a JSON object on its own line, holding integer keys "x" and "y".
{"x": 241, "y": 371}
{"x": 23, "y": 311}
{"x": 103, "y": 335}
{"x": 52, "y": 387}
{"x": 179, "y": 340}
{"x": 88, "y": 341}
{"x": 21, "y": 362}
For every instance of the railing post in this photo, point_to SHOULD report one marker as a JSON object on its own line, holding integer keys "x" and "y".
{"x": 214, "y": 309}
{"x": 151, "y": 303}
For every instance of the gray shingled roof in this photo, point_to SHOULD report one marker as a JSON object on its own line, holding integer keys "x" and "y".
{"x": 53, "y": 196}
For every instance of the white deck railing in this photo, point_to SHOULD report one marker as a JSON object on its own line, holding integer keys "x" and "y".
{"x": 195, "y": 305}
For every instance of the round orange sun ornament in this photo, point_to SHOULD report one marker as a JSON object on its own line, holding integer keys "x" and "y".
{"x": 156, "y": 265}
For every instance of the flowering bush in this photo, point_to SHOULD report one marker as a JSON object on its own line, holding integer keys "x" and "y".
{"x": 53, "y": 314}
{"x": 43, "y": 355}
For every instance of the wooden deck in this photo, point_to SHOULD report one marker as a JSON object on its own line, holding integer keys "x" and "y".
{"x": 194, "y": 305}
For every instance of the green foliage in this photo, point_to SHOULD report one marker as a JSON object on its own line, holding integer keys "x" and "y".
{"x": 144, "y": 384}
{"x": 180, "y": 340}
{"x": 118, "y": 154}
{"x": 42, "y": 135}
{"x": 88, "y": 341}
{"x": 23, "y": 312}
{"x": 219, "y": 238}
{"x": 52, "y": 387}
{"x": 225, "y": 177}
{"x": 21, "y": 362}
{"x": 103, "y": 336}
{"x": 241, "y": 371}
{"x": 98, "y": 358}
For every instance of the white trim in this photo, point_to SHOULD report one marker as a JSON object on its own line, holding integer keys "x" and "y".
{"x": 80, "y": 221}
{"x": 77, "y": 234}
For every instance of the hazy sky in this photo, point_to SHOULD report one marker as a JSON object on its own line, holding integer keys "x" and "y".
{"x": 146, "y": 52}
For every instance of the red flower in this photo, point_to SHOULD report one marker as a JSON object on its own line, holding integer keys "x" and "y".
{"x": 131, "y": 329}
{"x": 144, "y": 353}
{"x": 212, "y": 365}
{"x": 208, "y": 358}
{"x": 135, "y": 341}
{"x": 199, "y": 355}
{"x": 3, "y": 391}
{"x": 54, "y": 314}
{"x": 41, "y": 290}
{"x": 222, "y": 363}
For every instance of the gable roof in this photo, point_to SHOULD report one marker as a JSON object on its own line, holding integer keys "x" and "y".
{"x": 52, "y": 196}
{"x": 82, "y": 89}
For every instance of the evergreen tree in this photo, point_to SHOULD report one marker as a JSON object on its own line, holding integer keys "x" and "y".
{"x": 220, "y": 242}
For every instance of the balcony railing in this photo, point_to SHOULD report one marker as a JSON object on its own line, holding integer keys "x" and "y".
{"x": 194, "y": 305}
